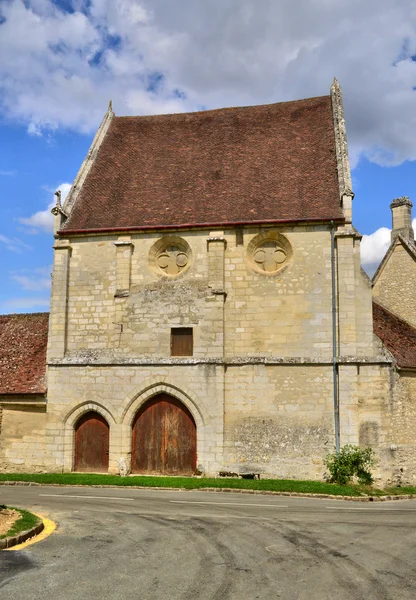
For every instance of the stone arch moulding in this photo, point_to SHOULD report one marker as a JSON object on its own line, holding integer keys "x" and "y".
{"x": 77, "y": 411}
{"x": 133, "y": 403}
{"x": 70, "y": 421}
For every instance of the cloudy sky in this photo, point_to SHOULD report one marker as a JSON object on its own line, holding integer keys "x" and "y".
{"x": 62, "y": 60}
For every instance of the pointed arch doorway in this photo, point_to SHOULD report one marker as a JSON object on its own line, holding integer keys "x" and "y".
{"x": 92, "y": 442}
{"x": 164, "y": 438}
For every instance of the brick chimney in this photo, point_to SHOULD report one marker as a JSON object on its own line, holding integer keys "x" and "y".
{"x": 401, "y": 213}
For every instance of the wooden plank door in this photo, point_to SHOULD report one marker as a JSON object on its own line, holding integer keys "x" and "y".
{"x": 92, "y": 439}
{"x": 164, "y": 438}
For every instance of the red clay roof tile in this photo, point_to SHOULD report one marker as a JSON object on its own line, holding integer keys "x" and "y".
{"x": 246, "y": 164}
{"x": 23, "y": 341}
{"x": 398, "y": 336}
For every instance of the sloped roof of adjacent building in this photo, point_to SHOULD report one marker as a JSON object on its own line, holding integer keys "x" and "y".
{"x": 232, "y": 165}
{"x": 397, "y": 335}
{"x": 23, "y": 341}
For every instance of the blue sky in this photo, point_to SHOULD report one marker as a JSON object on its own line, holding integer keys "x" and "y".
{"x": 63, "y": 61}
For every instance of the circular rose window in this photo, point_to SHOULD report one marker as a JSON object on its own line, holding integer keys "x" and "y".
{"x": 171, "y": 255}
{"x": 269, "y": 256}
{"x": 172, "y": 260}
{"x": 269, "y": 252}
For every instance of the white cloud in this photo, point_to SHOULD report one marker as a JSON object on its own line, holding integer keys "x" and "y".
{"x": 34, "y": 280}
{"x": 38, "y": 281}
{"x": 59, "y": 69}
{"x": 42, "y": 220}
{"x": 375, "y": 246}
{"x": 14, "y": 244}
{"x": 7, "y": 173}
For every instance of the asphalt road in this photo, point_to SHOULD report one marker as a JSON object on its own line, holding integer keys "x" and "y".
{"x": 156, "y": 545}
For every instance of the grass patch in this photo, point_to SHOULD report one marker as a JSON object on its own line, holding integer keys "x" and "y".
{"x": 190, "y": 483}
{"x": 277, "y": 485}
{"x": 26, "y": 521}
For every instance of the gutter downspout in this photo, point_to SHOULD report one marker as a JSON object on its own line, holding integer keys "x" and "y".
{"x": 334, "y": 341}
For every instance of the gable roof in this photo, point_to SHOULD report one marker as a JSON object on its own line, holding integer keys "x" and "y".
{"x": 275, "y": 162}
{"x": 23, "y": 341}
{"x": 398, "y": 336}
{"x": 409, "y": 246}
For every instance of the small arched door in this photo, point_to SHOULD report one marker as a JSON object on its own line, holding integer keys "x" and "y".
{"x": 164, "y": 438}
{"x": 92, "y": 438}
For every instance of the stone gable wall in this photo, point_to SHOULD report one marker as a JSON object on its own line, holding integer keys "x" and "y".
{"x": 395, "y": 286}
{"x": 285, "y": 314}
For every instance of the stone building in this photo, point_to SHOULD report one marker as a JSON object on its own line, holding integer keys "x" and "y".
{"x": 209, "y": 312}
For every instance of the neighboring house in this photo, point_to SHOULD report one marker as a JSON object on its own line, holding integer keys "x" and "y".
{"x": 394, "y": 311}
{"x": 23, "y": 341}
{"x": 209, "y": 312}
{"x": 394, "y": 282}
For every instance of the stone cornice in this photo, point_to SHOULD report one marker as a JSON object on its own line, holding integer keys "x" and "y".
{"x": 74, "y": 361}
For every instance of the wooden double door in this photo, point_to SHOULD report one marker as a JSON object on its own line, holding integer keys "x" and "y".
{"x": 92, "y": 439}
{"x": 164, "y": 438}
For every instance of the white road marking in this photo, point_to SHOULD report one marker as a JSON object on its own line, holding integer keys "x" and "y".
{"x": 372, "y": 508}
{"x": 229, "y": 504}
{"x": 202, "y": 516}
{"x": 80, "y": 496}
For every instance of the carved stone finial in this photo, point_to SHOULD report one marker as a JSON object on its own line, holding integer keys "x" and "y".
{"x": 343, "y": 163}
{"x": 57, "y": 209}
{"x": 110, "y": 106}
{"x": 335, "y": 85}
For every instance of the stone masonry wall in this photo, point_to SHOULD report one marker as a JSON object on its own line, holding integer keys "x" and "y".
{"x": 278, "y": 419}
{"x": 401, "y": 450}
{"x": 285, "y": 314}
{"x": 22, "y": 440}
{"x": 259, "y": 383}
{"x": 395, "y": 286}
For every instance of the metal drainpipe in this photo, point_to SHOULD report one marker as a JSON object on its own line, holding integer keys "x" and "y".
{"x": 334, "y": 341}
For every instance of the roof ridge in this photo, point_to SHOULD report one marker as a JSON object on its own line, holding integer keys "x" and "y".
{"x": 221, "y": 109}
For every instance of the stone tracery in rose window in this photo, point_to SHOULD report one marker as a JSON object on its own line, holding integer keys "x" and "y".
{"x": 269, "y": 256}
{"x": 172, "y": 260}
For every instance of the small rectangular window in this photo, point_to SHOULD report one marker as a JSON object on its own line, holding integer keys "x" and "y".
{"x": 181, "y": 341}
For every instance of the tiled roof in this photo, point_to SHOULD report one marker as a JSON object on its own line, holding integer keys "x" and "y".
{"x": 247, "y": 164}
{"x": 23, "y": 340}
{"x": 398, "y": 336}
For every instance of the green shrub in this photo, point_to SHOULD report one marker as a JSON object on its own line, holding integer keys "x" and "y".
{"x": 350, "y": 461}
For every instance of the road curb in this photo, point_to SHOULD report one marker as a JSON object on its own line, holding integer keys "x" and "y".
{"x": 22, "y": 537}
{"x": 231, "y": 490}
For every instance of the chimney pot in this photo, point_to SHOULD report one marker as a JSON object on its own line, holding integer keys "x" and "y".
{"x": 401, "y": 212}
